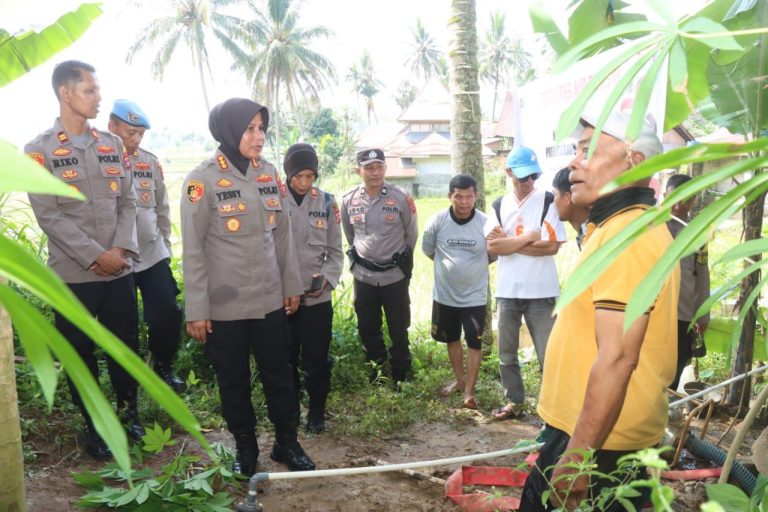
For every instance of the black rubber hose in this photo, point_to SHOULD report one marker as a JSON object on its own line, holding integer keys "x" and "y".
{"x": 712, "y": 453}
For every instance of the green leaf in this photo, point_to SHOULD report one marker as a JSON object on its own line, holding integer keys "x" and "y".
{"x": 543, "y": 23}
{"x": 33, "y": 331}
{"x": 746, "y": 308}
{"x": 156, "y": 439}
{"x": 21, "y": 53}
{"x": 570, "y": 118}
{"x": 744, "y": 250}
{"x": 723, "y": 40}
{"x": 686, "y": 242}
{"x": 88, "y": 479}
{"x": 712, "y": 506}
{"x": 644, "y": 92}
{"x": 678, "y": 68}
{"x": 143, "y": 493}
{"x": 694, "y": 154}
{"x": 104, "y": 418}
{"x": 729, "y": 496}
{"x": 19, "y": 173}
{"x": 577, "y": 52}
{"x": 19, "y": 266}
{"x": 728, "y": 287}
{"x": 616, "y": 94}
{"x": 679, "y": 104}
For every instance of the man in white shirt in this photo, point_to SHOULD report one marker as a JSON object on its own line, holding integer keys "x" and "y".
{"x": 525, "y": 233}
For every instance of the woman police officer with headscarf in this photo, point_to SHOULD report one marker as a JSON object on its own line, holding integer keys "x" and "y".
{"x": 241, "y": 279}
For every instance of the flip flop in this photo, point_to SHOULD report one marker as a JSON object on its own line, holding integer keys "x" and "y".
{"x": 470, "y": 403}
{"x": 506, "y": 412}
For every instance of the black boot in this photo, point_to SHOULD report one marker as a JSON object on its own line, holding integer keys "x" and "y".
{"x": 164, "y": 371}
{"x": 95, "y": 445}
{"x": 247, "y": 454}
{"x": 288, "y": 451}
{"x": 129, "y": 415}
{"x": 316, "y": 416}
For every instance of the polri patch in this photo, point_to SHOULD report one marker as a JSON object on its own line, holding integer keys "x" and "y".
{"x": 195, "y": 190}
{"x": 264, "y": 178}
{"x": 62, "y": 151}
{"x": 143, "y": 166}
{"x": 37, "y": 157}
{"x": 112, "y": 171}
{"x": 411, "y": 203}
{"x": 224, "y": 182}
{"x": 105, "y": 149}
{"x": 69, "y": 174}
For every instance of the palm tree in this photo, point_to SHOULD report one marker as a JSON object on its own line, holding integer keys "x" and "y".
{"x": 280, "y": 58}
{"x": 192, "y": 24}
{"x": 426, "y": 56}
{"x": 500, "y": 54}
{"x": 365, "y": 84}
{"x": 406, "y": 93}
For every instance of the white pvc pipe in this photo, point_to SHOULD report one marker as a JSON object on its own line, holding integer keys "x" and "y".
{"x": 289, "y": 475}
{"x": 716, "y": 386}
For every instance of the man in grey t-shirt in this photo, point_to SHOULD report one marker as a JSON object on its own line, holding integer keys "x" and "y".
{"x": 454, "y": 240}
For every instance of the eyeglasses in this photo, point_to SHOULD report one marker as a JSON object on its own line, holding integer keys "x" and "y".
{"x": 533, "y": 177}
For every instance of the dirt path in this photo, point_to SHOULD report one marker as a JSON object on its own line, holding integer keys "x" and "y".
{"x": 50, "y": 486}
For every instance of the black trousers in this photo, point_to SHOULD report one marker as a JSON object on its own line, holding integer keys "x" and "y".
{"x": 161, "y": 312}
{"x": 394, "y": 298}
{"x": 685, "y": 339}
{"x": 113, "y": 303}
{"x": 229, "y": 349}
{"x": 554, "y": 446}
{"x": 309, "y": 332}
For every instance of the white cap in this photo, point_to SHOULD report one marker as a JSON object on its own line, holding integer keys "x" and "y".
{"x": 647, "y": 142}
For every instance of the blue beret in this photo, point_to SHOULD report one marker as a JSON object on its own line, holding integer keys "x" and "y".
{"x": 129, "y": 112}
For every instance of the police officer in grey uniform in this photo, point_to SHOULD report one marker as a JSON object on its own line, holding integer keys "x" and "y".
{"x": 241, "y": 279}
{"x": 315, "y": 222}
{"x": 91, "y": 242}
{"x": 379, "y": 221}
{"x": 152, "y": 269}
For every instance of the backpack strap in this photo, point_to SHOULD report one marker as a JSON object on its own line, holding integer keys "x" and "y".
{"x": 549, "y": 198}
{"x": 497, "y": 208}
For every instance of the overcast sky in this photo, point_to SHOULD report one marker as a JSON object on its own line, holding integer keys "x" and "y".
{"x": 28, "y": 105}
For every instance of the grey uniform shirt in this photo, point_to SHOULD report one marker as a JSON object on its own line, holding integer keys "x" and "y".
{"x": 317, "y": 235}
{"x": 379, "y": 227}
{"x": 153, "y": 218}
{"x": 461, "y": 259}
{"x": 80, "y": 231}
{"x": 239, "y": 259}
{"x": 694, "y": 278}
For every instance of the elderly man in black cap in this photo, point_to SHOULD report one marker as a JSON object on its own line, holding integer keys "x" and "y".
{"x": 316, "y": 232}
{"x": 241, "y": 279}
{"x": 379, "y": 221}
{"x": 152, "y": 268}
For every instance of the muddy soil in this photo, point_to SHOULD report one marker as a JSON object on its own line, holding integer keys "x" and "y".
{"x": 51, "y": 488}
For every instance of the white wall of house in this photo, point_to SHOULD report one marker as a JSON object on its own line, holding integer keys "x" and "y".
{"x": 433, "y": 165}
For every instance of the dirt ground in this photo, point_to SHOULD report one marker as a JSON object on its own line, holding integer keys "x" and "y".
{"x": 51, "y": 488}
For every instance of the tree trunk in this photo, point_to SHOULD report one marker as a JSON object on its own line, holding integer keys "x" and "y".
{"x": 495, "y": 97}
{"x": 466, "y": 141}
{"x": 753, "y": 225}
{"x": 202, "y": 79}
{"x": 12, "y": 468}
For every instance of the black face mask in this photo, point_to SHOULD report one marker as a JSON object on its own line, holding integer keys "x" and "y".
{"x": 228, "y": 122}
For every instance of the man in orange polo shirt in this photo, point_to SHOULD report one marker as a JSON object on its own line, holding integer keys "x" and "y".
{"x": 604, "y": 388}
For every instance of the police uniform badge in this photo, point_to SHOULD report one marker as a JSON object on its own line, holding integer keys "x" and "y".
{"x": 37, "y": 157}
{"x": 63, "y": 137}
{"x": 132, "y": 117}
{"x": 232, "y": 224}
{"x": 224, "y": 183}
{"x": 195, "y": 190}
{"x": 62, "y": 151}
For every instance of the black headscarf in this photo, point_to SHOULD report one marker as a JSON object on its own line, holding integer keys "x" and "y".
{"x": 228, "y": 122}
